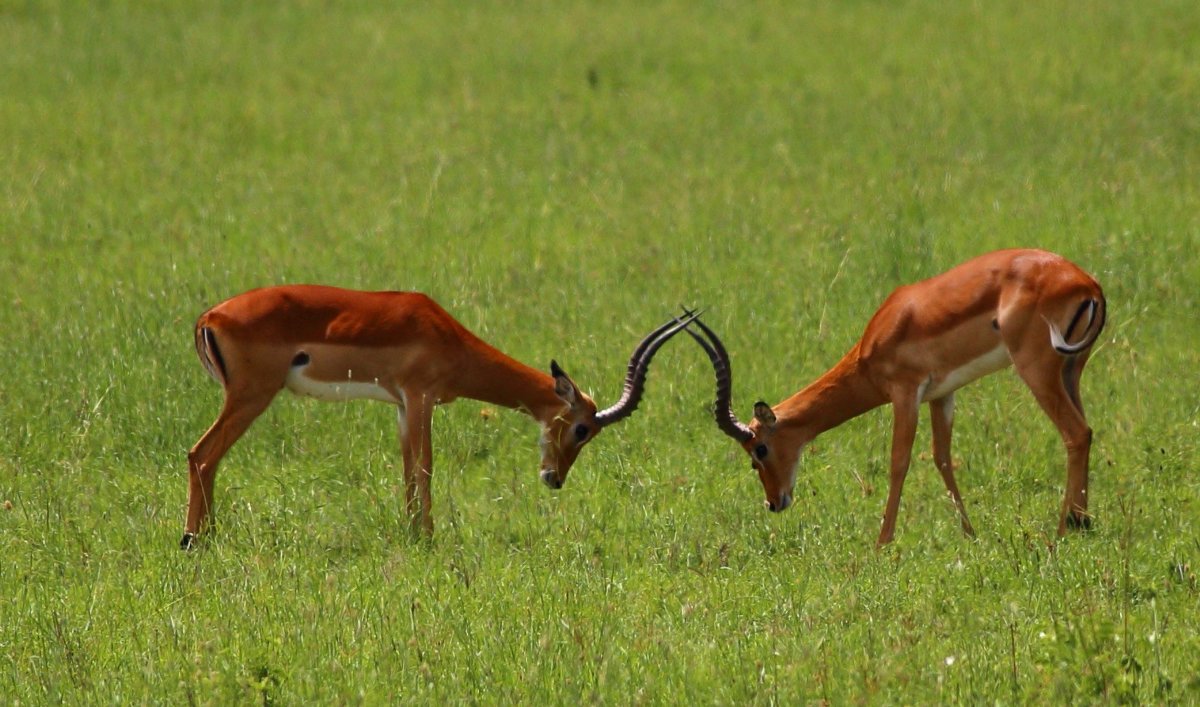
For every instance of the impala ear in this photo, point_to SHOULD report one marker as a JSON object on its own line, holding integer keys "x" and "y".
{"x": 564, "y": 387}
{"x": 764, "y": 414}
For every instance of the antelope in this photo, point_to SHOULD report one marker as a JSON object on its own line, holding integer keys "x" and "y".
{"x": 400, "y": 348}
{"x": 925, "y": 342}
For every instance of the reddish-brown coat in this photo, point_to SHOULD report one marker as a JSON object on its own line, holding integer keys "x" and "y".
{"x": 931, "y": 337}
{"x": 399, "y": 347}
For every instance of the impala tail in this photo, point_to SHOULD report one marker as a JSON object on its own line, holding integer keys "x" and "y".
{"x": 1095, "y": 310}
{"x": 210, "y": 354}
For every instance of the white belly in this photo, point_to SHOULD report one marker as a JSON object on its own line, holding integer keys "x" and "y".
{"x": 301, "y": 384}
{"x": 974, "y": 369}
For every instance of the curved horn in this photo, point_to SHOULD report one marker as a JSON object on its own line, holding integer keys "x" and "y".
{"x": 722, "y": 409}
{"x": 639, "y": 363}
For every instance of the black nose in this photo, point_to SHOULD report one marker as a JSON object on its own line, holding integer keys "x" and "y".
{"x": 784, "y": 501}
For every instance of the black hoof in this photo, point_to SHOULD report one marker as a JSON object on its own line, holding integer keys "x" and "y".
{"x": 188, "y": 541}
{"x": 1078, "y": 521}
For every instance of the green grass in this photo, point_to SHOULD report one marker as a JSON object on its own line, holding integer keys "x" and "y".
{"x": 561, "y": 177}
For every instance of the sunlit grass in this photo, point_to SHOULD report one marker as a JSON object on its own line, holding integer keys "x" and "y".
{"x": 561, "y": 178}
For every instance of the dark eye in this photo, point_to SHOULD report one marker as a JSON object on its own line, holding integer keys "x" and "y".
{"x": 761, "y": 452}
{"x": 581, "y": 432}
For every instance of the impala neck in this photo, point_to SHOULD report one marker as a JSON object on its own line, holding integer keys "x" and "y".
{"x": 489, "y": 375}
{"x": 840, "y": 394}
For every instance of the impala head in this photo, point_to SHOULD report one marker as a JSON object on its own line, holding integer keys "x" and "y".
{"x": 774, "y": 454}
{"x": 578, "y": 422}
{"x": 774, "y": 457}
{"x": 565, "y": 435}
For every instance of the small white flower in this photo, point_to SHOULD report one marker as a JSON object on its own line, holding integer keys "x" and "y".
{"x": 950, "y": 660}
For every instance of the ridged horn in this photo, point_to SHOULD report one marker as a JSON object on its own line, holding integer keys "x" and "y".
{"x": 722, "y": 409}
{"x": 639, "y": 364}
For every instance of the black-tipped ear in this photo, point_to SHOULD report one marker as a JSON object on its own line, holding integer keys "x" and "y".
{"x": 764, "y": 414}
{"x": 564, "y": 387}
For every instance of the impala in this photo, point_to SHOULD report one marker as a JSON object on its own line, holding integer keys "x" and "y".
{"x": 397, "y": 347}
{"x": 1019, "y": 307}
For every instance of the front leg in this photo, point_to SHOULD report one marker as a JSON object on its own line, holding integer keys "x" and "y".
{"x": 410, "y": 479}
{"x": 941, "y": 416}
{"x": 416, "y": 442}
{"x": 904, "y": 432}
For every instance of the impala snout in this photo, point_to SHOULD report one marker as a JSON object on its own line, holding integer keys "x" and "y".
{"x": 784, "y": 502}
{"x": 551, "y": 478}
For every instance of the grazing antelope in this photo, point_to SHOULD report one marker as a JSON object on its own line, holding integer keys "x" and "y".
{"x": 927, "y": 340}
{"x": 397, "y": 347}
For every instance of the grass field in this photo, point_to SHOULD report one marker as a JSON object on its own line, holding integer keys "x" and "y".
{"x": 562, "y": 177}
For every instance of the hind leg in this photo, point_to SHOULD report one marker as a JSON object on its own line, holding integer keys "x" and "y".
{"x": 905, "y": 409}
{"x": 1053, "y": 380}
{"x": 1071, "y": 374}
{"x": 238, "y": 413}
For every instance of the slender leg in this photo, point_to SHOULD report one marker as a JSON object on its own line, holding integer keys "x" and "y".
{"x": 1072, "y": 372}
{"x": 410, "y": 480}
{"x": 1048, "y": 375}
{"x": 941, "y": 414}
{"x": 418, "y": 456}
{"x": 904, "y": 432}
{"x": 238, "y": 413}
